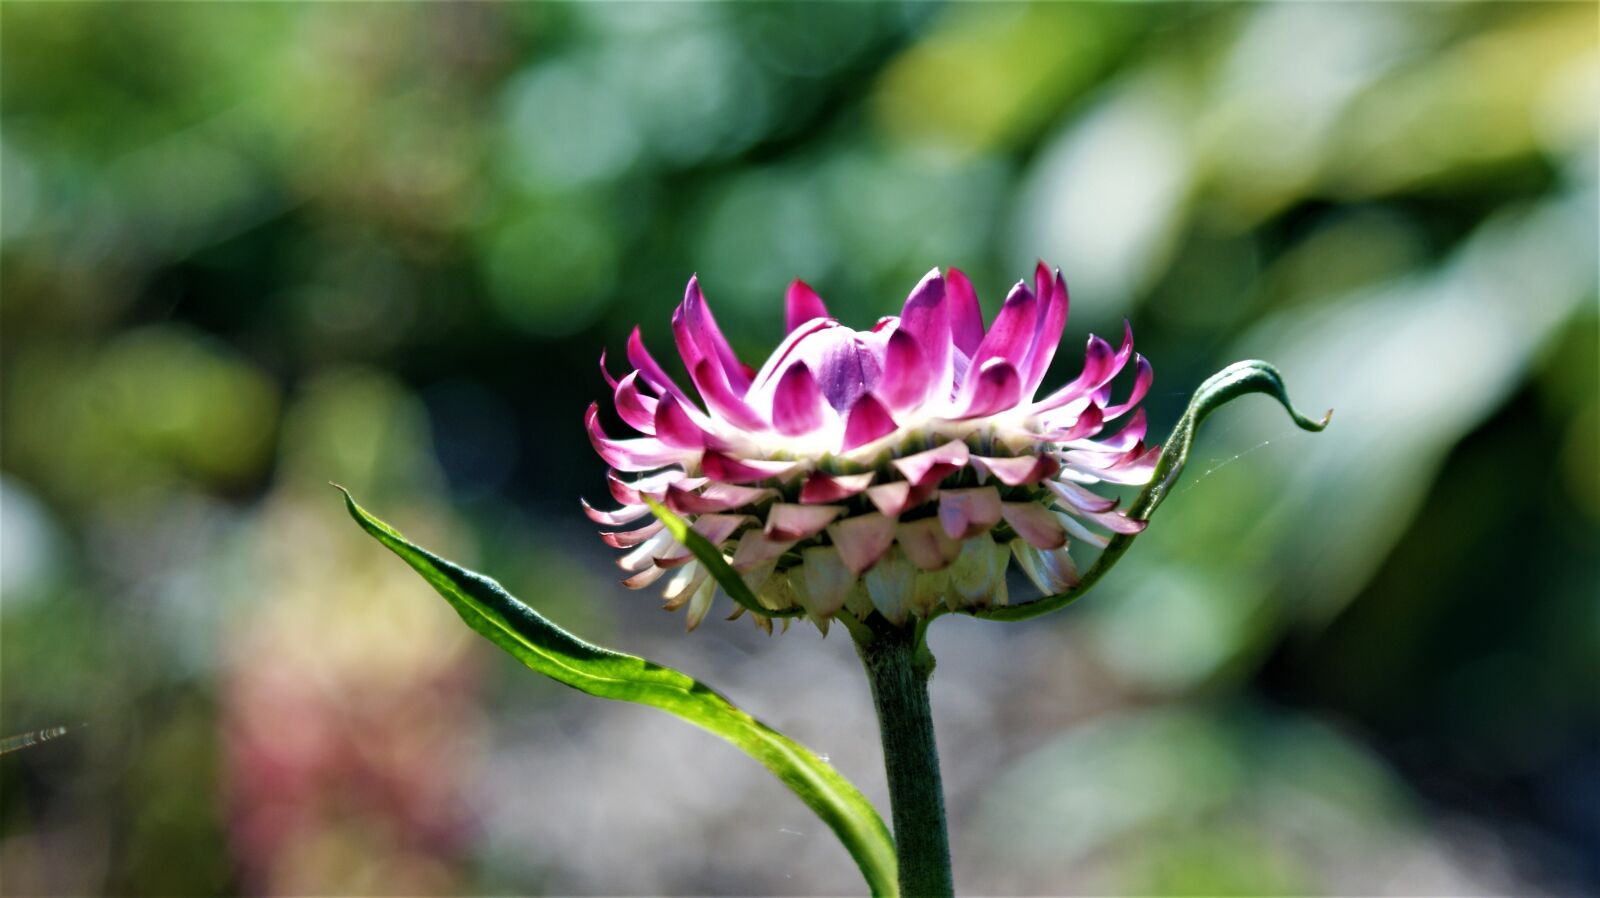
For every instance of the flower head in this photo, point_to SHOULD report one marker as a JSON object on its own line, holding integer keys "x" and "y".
{"x": 887, "y": 470}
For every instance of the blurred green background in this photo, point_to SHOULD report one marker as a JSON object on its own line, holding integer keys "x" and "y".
{"x": 246, "y": 249}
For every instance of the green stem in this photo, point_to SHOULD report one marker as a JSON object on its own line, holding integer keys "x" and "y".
{"x": 898, "y": 667}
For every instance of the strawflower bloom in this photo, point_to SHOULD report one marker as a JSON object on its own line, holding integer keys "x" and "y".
{"x": 890, "y": 469}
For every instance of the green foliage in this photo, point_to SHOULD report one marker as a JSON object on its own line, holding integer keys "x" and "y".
{"x": 726, "y": 577}
{"x": 552, "y": 651}
{"x": 1238, "y": 379}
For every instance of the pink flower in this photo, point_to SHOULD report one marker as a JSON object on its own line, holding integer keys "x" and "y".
{"x": 883, "y": 470}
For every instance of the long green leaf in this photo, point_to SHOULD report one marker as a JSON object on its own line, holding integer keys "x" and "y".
{"x": 715, "y": 564}
{"x": 1238, "y": 379}
{"x": 552, "y": 651}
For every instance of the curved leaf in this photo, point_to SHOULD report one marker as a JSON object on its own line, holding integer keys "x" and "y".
{"x": 1238, "y": 379}
{"x": 711, "y": 557}
{"x": 552, "y": 651}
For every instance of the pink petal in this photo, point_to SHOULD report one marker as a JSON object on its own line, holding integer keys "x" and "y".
{"x": 1130, "y": 434}
{"x": 862, "y": 539}
{"x": 966, "y": 513}
{"x": 642, "y": 454}
{"x": 625, "y": 515}
{"x": 822, "y": 488}
{"x": 1099, "y": 366}
{"x": 755, "y": 550}
{"x": 650, "y": 370}
{"x": 1079, "y": 499}
{"x": 605, "y": 372}
{"x": 996, "y": 388}
{"x": 926, "y": 319}
{"x": 1141, "y": 385}
{"x": 797, "y": 404}
{"x": 779, "y": 360}
{"x": 1088, "y": 422}
{"x": 1035, "y": 524}
{"x": 891, "y": 498}
{"x": 638, "y": 410}
{"x": 715, "y": 497}
{"x": 675, "y": 428}
{"x": 699, "y": 338}
{"x": 801, "y": 305}
{"x": 906, "y": 372}
{"x": 626, "y": 539}
{"x": 868, "y": 420}
{"x": 926, "y": 544}
{"x": 789, "y": 521}
{"x": 1013, "y": 329}
{"x": 933, "y": 465}
{"x": 1052, "y": 319}
{"x": 966, "y": 318}
{"x": 748, "y": 470}
{"x": 1023, "y": 469}
{"x": 653, "y": 485}
{"x": 709, "y": 379}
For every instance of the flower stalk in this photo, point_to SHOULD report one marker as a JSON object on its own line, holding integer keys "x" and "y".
{"x": 898, "y": 667}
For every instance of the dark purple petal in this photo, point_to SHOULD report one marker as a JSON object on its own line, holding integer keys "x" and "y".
{"x": 820, "y": 488}
{"x": 801, "y": 305}
{"x": 906, "y": 372}
{"x": 868, "y": 420}
{"x": 926, "y": 318}
{"x": 969, "y": 512}
{"x": 995, "y": 389}
{"x": 797, "y": 404}
{"x": 966, "y": 318}
{"x": 846, "y": 369}
{"x": 778, "y": 361}
{"x": 628, "y": 455}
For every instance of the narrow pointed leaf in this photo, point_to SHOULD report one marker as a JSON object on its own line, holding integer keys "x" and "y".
{"x": 542, "y": 646}
{"x": 710, "y": 556}
{"x": 1238, "y": 379}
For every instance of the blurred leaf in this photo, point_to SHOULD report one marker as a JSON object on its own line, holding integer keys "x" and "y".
{"x": 547, "y": 649}
{"x": 1238, "y": 379}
